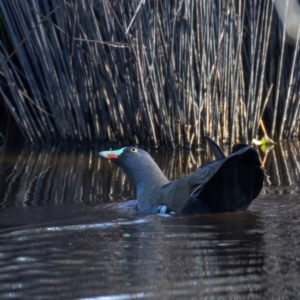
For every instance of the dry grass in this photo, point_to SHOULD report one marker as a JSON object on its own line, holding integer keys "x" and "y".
{"x": 159, "y": 72}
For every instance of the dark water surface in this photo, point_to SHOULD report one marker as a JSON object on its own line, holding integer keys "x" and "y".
{"x": 66, "y": 232}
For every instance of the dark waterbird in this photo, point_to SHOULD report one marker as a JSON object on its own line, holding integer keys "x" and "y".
{"x": 223, "y": 185}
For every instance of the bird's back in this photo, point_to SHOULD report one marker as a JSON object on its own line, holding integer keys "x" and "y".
{"x": 227, "y": 184}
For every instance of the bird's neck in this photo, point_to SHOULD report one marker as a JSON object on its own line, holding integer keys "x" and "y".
{"x": 148, "y": 180}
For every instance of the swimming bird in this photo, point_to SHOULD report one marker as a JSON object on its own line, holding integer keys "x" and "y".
{"x": 223, "y": 185}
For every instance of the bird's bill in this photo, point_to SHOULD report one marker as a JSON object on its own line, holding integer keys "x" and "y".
{"x": 111, "y": 154}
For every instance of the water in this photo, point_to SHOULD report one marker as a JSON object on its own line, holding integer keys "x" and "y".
{"x": 66, "y": 232}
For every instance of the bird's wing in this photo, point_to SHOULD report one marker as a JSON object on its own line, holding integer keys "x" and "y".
{"x": 176, "y": 192}
{"x": 227, "y": 185}
{"x": 235, "y": 183}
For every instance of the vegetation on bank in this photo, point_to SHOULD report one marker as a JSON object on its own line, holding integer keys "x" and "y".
{"x": 160, "y": 72}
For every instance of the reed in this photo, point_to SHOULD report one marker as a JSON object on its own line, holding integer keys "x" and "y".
{"x": 158, "y": 72}
{"x": 2, "y": 141}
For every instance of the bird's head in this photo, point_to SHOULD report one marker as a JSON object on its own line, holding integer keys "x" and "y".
{"x": 136, "y": 163}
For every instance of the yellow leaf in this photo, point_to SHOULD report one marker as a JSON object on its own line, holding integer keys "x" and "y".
{"x": 264, "y": 140}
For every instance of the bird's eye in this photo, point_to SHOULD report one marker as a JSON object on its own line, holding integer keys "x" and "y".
{"x": 133, "y": 150}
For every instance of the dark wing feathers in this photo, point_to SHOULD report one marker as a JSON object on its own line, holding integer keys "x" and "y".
{"x": 235, "y": 183}
{"x": 176, "y": 192}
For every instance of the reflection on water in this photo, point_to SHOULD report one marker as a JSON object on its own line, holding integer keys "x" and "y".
{"x": 57, "y": 175}
{"x": 283, "y": 169}
{"x": 67, "y": 233}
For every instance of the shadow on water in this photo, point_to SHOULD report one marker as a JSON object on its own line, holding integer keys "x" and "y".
{"x": 67, "y": 232}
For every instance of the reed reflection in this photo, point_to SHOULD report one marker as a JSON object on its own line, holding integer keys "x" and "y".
{"x": 282, "y": 166}
{"x": 78, "y": 175}
{"x": 60, "y": 175}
